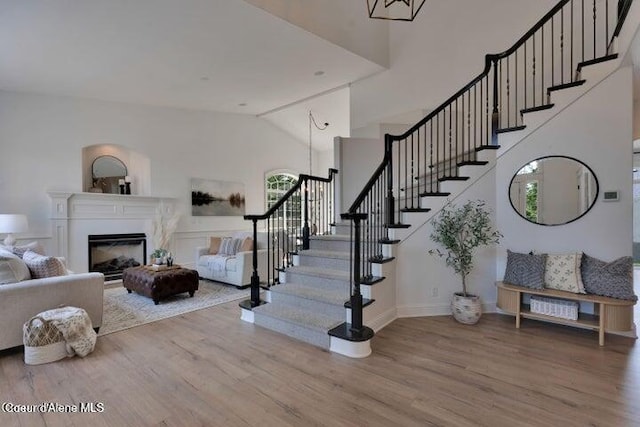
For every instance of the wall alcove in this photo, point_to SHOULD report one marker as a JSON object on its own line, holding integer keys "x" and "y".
{"x": 138, "y": 166}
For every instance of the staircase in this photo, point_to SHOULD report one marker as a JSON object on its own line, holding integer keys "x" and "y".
{"x": 324, "y": 293}
{"x": 312, "y": 299}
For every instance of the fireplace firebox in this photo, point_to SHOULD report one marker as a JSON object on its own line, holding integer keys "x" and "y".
{"x": 110, "y": 254}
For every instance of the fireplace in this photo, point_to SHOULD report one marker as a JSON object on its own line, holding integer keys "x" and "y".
{"x": 110, "y": 254}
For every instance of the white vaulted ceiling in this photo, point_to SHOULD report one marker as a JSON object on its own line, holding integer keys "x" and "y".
{"x": 197, "y": 54}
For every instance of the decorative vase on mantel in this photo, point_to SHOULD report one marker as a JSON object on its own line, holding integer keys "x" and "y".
{"x": 466, "y": 309}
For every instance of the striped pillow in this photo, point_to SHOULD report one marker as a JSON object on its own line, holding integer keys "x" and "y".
{"x": 42, "y": 266}
{"x": 229, "y": 246}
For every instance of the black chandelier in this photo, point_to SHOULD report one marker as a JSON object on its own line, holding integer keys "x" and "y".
{"x": 394, "y": 10}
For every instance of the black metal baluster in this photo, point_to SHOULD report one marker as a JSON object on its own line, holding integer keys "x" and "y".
{"x": 437, "y": 166}
{"x": 500, "y": 79}
{"x": 594, "y": 29}
{"x": 562, "y": 45}
{"x": 553, "y": 54}
{"x": 450, "y": 145}
{"x": 481, "y": 114}
{"x": 583, "y": 24}
{"x": 466, "y": 153}
{"x": 469, "y": 121}
{"x": 475, "y": 116}
{"x": 571, "y": 69}
{"x": 533, "y": 89}
{"x": 412, "y": 180}
{"x": 431, "y": 157}
{"x": 515, "y": 78}
{"x": 508, "y": 107}
{"x": 398, "y": 174}
{"x": 487, "y": 113}
{"x": 606, "y": 23}
{"x": 542, "y": 70}
{"x": 525, "y": 74}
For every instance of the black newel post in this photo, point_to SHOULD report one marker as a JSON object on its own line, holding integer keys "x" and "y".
{"x": 305, "y": 227}
{"x": 495, "y": 116}
{"x": 388, "y": 144}
{"x": 255, "y": 278}
{"x": 356, "y": 296}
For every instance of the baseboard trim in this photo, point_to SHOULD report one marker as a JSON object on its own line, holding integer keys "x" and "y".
{"x": 383, "y": 319}
{"x": 351, "y": 349}
{"x": 247, "y": 315}
{"x": 443, "y": 309}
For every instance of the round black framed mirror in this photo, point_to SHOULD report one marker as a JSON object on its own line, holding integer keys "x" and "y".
{"x": 553, "y": 190}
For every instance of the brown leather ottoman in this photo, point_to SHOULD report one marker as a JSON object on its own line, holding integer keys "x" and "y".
{"x": 161, "y": 283}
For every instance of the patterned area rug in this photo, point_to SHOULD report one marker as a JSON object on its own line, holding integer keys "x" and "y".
{"x": 124, "y": 310}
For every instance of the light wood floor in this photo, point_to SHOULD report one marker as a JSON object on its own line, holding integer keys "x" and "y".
{"x": 208, "y": 368}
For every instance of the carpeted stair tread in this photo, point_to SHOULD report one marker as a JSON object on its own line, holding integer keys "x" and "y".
{"x": 293, "y": 315}
{"x": 338, "y": 237}
{"x": 325, "y": 254}
{"x": 319, "y": 272}
{"x": 315, "y": 293}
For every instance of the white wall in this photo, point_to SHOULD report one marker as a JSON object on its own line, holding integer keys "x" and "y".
{"x": 344, "y": 23}
{"x": 356, "y": 159}
{"x": 597, "y": 130}
{"x": 42, "y": 137}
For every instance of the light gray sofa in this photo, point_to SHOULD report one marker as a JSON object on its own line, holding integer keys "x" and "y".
{"x": 22, "y": 300}
{"x": 233, "y": 269}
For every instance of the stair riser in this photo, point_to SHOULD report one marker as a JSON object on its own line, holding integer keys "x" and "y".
{"x": 328, "y": 263}
{"x": 303, "y": 279}
{"x": 330, "y": 245}
{"x": 314, "y": 337}
{"x": 342, "y": 229}
{"x": 330, "y": 310}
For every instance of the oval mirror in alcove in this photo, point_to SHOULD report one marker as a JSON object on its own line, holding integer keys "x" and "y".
{"x": 107, "y": 171}
{"x": 553, "y": 190}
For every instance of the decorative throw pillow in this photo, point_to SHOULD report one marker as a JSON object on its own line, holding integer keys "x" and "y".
{"x": 562, "y": 273}
{"x": 42, "y": 266}
{"x": 12, "y": 268}
{"x": 247, "y": 245}
{"x": 31, "y": 246}
{"x": 225, "y": 246}
{"x": 525, "y": 270}
{"x": 214, "y": 246}
{"x": 609, "y": 279}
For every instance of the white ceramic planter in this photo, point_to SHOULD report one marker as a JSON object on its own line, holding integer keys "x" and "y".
{"x": 467, "y": 309}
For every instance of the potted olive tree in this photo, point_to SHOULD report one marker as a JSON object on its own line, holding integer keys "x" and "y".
{"x": 460, "y": 230}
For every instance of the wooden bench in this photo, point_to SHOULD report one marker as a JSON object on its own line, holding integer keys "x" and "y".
{"x": 611, "y": 314}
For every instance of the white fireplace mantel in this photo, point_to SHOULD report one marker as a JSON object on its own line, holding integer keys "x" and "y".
{"x": 74, "y": 216}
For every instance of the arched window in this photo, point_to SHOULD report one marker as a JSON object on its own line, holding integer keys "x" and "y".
{"x": 278, "y": 183}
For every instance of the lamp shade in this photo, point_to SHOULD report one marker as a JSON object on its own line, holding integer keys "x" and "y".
{"x": 13, "y": 223}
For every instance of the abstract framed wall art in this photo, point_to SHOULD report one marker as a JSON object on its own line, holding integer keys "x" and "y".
{"x": 217, "y": 198}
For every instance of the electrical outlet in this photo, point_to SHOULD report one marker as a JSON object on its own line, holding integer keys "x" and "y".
{"x": 434, "y": 292}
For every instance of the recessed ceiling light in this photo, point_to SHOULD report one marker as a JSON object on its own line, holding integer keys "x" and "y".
{"x": 204, "y": 79}
{"x": 242, "y": 104}
{"x": 318, "y": 73}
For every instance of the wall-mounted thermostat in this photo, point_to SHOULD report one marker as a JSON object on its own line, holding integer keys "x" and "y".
{"x": 611, "y": 196}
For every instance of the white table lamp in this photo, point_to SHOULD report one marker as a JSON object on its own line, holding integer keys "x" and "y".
{"x": 12, "y": 223}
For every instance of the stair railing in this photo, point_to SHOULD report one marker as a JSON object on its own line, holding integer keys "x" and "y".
{"x": 303, "y": 211}
{"x": 549, "y": 57}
